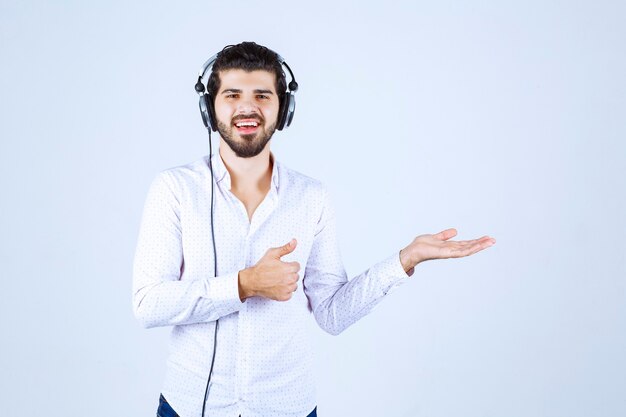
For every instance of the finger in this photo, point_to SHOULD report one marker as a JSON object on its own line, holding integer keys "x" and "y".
{"x": 481, "y": 240}
{"x": 446, "y": 234}
{"x": 472, "y": 248}
{"x": 280, "y": 251}
{"x": 285, "y": 296}
{"x": 485, "y": 241}
{"x": 464, "y": 243}
{"x": 488, "y": 242}
{"x": 292, "y": 266}
{"x": 479, "y": 246}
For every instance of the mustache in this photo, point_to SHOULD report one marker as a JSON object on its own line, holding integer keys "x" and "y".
{"x": 252, "y": 116}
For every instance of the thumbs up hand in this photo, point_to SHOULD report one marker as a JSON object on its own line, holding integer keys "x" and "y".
{"x": 271, "y": 277}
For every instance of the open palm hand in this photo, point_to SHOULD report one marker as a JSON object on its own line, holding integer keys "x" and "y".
{"x": 439, "y": 246}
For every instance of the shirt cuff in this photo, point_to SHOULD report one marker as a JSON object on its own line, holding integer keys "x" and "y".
{"x": 391, "y": 273}
{"x": 224, "y": 294}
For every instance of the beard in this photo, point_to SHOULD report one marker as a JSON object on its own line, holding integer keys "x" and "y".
{"x": 250, "y": 144}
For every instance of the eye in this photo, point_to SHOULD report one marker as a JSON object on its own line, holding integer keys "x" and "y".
{"x": 263, "y": 97}
{"x": 232, "y": 95}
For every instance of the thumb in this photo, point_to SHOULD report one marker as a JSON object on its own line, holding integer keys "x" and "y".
{"x": 446, "y": 234}
{"x": 280, "y": 251}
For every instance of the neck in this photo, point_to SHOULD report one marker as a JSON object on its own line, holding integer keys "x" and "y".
{"x": 246, "y": 173}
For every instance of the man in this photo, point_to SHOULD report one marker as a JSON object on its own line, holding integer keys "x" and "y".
{"x": 238, "y": 346}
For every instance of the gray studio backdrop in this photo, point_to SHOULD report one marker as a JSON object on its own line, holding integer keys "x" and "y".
{"x": 500, "y": 118}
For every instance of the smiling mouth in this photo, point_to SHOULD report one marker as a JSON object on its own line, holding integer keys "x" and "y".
{"x": 247, "y": 126}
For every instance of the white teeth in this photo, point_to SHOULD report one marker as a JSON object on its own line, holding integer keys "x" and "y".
{"x": 243, "y": 124}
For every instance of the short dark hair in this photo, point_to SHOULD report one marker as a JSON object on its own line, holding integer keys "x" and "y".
{"x": 247, "y": 56}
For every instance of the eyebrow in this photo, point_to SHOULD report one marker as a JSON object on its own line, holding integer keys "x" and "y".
{"x": 237, "y": 91}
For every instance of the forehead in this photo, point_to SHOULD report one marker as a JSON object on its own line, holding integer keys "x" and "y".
{"x": 242, "y": 80}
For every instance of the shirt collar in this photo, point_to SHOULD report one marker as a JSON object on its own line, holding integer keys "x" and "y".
{"x": 220, "y": 173}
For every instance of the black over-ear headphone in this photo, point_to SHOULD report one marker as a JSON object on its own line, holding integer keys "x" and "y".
{"x": 207, "y": 110}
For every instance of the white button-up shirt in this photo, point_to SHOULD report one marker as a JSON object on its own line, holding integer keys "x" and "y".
{"x": 263, "y": 364}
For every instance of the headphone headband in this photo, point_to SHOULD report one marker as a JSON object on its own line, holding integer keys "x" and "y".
{"x": 208, "y": 64}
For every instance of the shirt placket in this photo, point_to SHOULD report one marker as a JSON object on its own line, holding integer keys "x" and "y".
{"x": 245, "y": 340}
{"x": 242, "y": 322}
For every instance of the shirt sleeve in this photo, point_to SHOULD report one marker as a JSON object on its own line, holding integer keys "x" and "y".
{"x": 336, "y": 301}
{"x": 160, "y": 297}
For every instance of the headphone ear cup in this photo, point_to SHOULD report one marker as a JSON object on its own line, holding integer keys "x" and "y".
{"x": 204, "y": 112}
{"x": 287, "y": 108}
{"x": 208, "y": 100}
{"x": 291, "y": 109}
{"x": 280, "y": 121}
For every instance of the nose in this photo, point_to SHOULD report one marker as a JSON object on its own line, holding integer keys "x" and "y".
{"x": 246, "y": 106}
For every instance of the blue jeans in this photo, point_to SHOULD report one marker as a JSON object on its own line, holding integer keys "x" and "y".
{"x": 165, "y": 410}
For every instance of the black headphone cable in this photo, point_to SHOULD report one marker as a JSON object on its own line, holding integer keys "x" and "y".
{"x": 206, "y": 390}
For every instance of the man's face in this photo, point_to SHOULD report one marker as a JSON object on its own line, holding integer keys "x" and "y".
{"x": 246, "y": 108}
